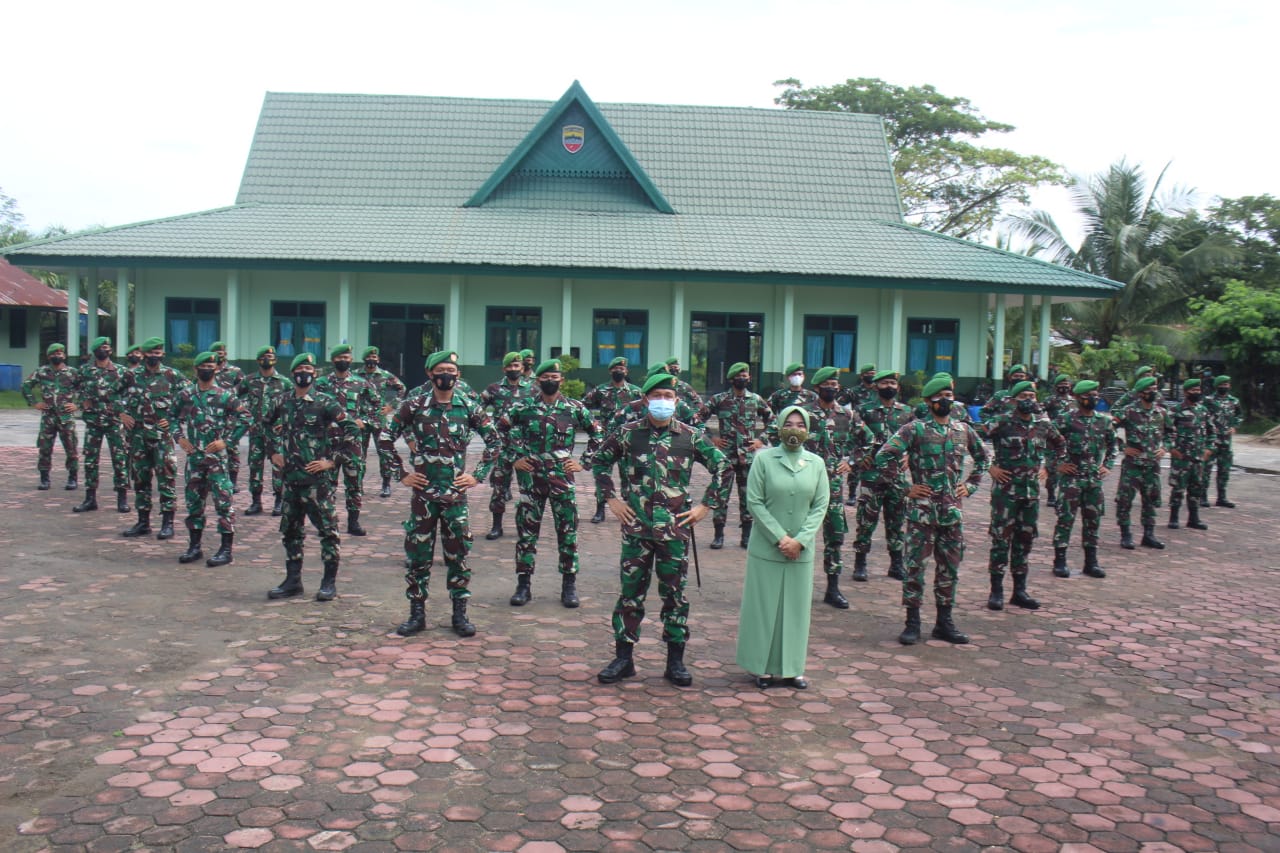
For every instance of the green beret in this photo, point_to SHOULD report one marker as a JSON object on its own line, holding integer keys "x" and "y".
{"x": 204, "y": 358}
{"x": 134, "y": 348}
{"x": 368, "y": 351}
{"x": 866, "y": 367}
{"x": 1144, "y": 370}
{"x": 1191, "y": 383}
{"x": 659, "y": 380}
{"x": 658, "y": 368}
{"x": 340, "y": 349}
{"x": 153, "y": 343}
{"x": 1063, "y": 379}
{"x": 1221, "y": 380}
{"x": 510, "y": 359}
{"x": 736, "y": 368}
{"x": 942, "y": 374}
{"x": 885, "y": 374}
{"x": 267, "y": 350}
{"x": 526, "y": 353}
{"x": 1084, "y": 386}
{"x": 1024, "y": 385}
{"x": 1143, "y": 384}
{"x": 100, "y": 342}
{"x": 52, "y": 348}
{"x": 301, "y": 359}
{"x": 551, "y": 365}
{"x": 936, "y": 384}
{"x": 822, "y": 374}
{"x": 673, "y": 360}
{"x": 439, "y": 357}
{"x": 1017, "y": 368}
{"x": 217, "y": 345}
{"x": 618, "y": 362}
{"x": 793, "y": 367}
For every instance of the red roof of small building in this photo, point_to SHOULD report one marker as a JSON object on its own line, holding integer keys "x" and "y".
{"x": 19, "y": 289}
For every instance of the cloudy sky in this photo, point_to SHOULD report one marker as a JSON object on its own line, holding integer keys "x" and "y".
{"x": 128, "y": 111}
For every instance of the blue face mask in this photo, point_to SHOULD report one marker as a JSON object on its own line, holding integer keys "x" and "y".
{"x": 662, "y": 410}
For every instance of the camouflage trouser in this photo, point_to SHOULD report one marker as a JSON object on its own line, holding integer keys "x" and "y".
{"x": 1222, "y": 457}
{"x": 370, "y": 433}
{"x": 893, "y": 499}
{"x": 854, "y": 478}
{"x": 95, "y": 431}
{"x": 1014, "y": 526}
{"x": 1083, "y": 495}
{"x": 1142, "y": 479}
{"x": 834, "y": 528}
{"x": 740, "y": 470}
{"x": 301, "y": 501}
{"x": 203, "y": 479}
{"x": 500, "y": 483}
{"x": 57, "y": 428}
{"x": 534, "y": 495}
{"x": 1184, "y": 480}
{"x": 154, "y": 459}
{"x": 1051, "y": 483}
{"x": 260, "y": 450}
{"x": 946, "y": 545}
{"x": 233, "y": 461}
{"x": 641, "y": 560}
{"x": 425, "y": 517}
{"x": 353, "y": 483}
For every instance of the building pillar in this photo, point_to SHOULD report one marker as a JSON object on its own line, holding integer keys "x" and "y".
{"x": 73, "y": 316}
{"x": 997, "y": 355}
{"x": 91, "y": 296}
{"x": 897, "y": 323}
{"x": 1045, "y": 331}
{"x": 789, "y": 326}
{"x": 344, "y": 307}
{"x": 566, "y": 320}
{"x": 122, "y": 312}
{"x": 1027, "y": 309}
{"x": 679, "y": 340}
{"x": 453, "y": 321}
{"x": 231, "y": 315}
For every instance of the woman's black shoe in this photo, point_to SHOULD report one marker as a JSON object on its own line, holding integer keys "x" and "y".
{"x": 764, "y": 682}
{"x": 799, "y": 683}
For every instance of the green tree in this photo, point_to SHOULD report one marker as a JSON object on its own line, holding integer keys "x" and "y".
{"x": 946, "y": 182}
{"x": 1244, "y": 324}
{"x": 1253, "y": 224}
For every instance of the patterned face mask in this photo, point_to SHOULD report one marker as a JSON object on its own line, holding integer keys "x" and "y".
{"x": 793, "y": 438}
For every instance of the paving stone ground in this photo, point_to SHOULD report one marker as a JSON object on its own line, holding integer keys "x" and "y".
{"x": 146, "y": 705}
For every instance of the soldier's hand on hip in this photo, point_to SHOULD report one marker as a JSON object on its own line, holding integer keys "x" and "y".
{"x": 186, "y": 445}
{"x": 1103, "y": 471}
{"x": 319, "y": 465}
{"x": 523, "y": 465}
{"x": 843, "y": 468}
{"x": 1132, "y": 452}
{"x": 572, "y": 466}
{"x": 622, "y": 511}
{"x": 464, "y": 481}
{"x": 42, "y": 406}
{"x": 414, "y": 480}
{"x": 163, "y": 423}
{"x": 690, "y": 517}
{"x": 68, "y": 407}
{"x": 215, "y": 445}
{"x": 920, "y": 490}
{"x": 277, "y": 460}
{"x": 1177, "y": 454}
{"x": 999, "y": 474}
{"x": 1043, "y": 474}
{"x": 1068, "y": 468}
{"x": 720, "y": 443}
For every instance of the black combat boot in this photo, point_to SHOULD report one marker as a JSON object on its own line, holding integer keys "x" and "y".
{"x": 859, "y": 567}
{"x": 1020, "y": 597}
{"x": 90, "y": 502}
{"x": 122, "y": 500}
{"x": 417, "y": 621}
{"x": 1175, "y": 508}
{"x": 353, "y": 523}
{"x": 1052, "y": 500}
{"x": 896, "y": 569}
{"x": 995, "y": 601}
{"x": 223, "y": 555}
{"x": 386, "y": 488}
{"x": 235, "y": 483}
{"x": 1193, "y": 517}
{"x": 524, "y": 589}
{"x": 1126, "y": 538}
{"x": 166, "y": 525}
{"x": 1091, "y": 567}
{"x": 278, "y": 509}
{"x": 834, "y": 597}
{"x": 1222, "y": 500}
{"x": 717, "y": 538}
{"x": 73, "y": 482}
{"x": 911, "y": 633}
{"x": 676, "y": 673}
{"x": 44, "y": 481}
{"x": 495, "y": 532}
{"x": 569, "y": 591}
{"x": 746, "y": 534}
{"x": 1060, "y": 569}
{"x": 292, "y": 583}
{"x": 194, "y": 551}
{"x": 141, "y": 527}
{"x": 599, "y": 516}
{"x": 461, "y": 624}
{"x": 255, "y": 503}
{"x": 1149, "y": 539}
{"x": 945, "y": 629}
{"x": 622, "y": 666}
{"x": 329, "y": 582}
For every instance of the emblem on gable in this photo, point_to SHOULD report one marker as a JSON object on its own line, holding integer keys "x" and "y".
{"x": 572, "y": 135}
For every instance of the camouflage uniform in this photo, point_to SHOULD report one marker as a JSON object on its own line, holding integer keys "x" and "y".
{"x": 1147, "y": 431}
{"x": 259, "y": 391}
{"x": 658, "y": 462}
{"x": 1020, "y": 447}
{"x": 57, "y": 388}
{"x": 1227, "y": 415}
{"x": 498, "y": 398}
{"x": 883, "y": 421}
{"x": 389, "y": 391}
{"x": 359, "y": 400}
{"x": 845, "y": 439}
{"x": 688, "y": 396}
{"x": 736, "y": 416}
{"x": 1090, "y": 446}
{"x": 635, "y": 412}
{"x": 607, "y": 401}
{"x": 98, "y": 387}
{"x": 205, "y": 416}
{"x": 1054, "y": 406}
{"x": 149, "y": 398}
{"x": 1195, "y": 434}
{"x": 789, "y": 396}
{"x": 228, "y": 378}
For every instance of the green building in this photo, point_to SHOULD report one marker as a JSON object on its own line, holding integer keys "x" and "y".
{"x": 715, "y": 234}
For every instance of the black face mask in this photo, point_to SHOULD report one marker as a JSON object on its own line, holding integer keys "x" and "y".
{"x": 528, "y": 367}
{"x": 205, "y": 374}
{"x": 887, "y": 393}
{"x": 102, "y": 353}
{"x": 221, "y": 357}
{"x": 266, "y": 363}
{"x": 618, "y": 375}
{"x": 1192, "y": 398}
{"x": 738, "y": 382}
{"x": 444, "y": 381}
{"x": 153, "y": 360}
{"x": 867, "y": 378}
{"x": 1063, "y": 391}
{"x": 371, "y": 363}
{"x": 1149, "y": 396}
{"x": 1026, "y": 407}
{"x": 1088, "y": 403}
{"x": 133, "y": 358}
{"x": 827, "y": 395}
{"x": 342, "y": 366}
{"x": 549, "y": 386}
{"x": 1222, "y": 392}
{"x": 302, "y": 380}
{"x": 514, "y": 374}
{"x": 941, "y": 408}
{"x": 57, "y": 359}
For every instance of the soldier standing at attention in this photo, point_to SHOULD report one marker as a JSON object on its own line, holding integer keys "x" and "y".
{"x": 684, "y": 390}
{"x": 1059, "y": 402}
{"x": 358, "y": 400}
{"x": 793, "y": 393}
{"x": 1020, "y": 439}
{"x": 57, "y": 405}
{"x": 883, "y": 416}
{"x": 313, "y": 435}
{"x": 605, "y": 401}
{"x": 526, "y": 360}
{"x": 1083, "y": 461}
{"x": 1194, "y": 436}
{"x": 656, "y": 456}
{"x": 538, "y": 435}
{"x": 437, "y": 427}
{"x": 389, "y": 391}
{"x": 854, "y": 397}
{"x": 133, "y": 357}
{"x": 1131, "y": 396}
{"x": 1226, "y": 413}
{"x": 259, "y": 391}
{"x": 498, "y": 399}
{"x": 97, "y": 382}
{"x": 147, "y": 399}
{"x": 228, "y": 378}
{"x": 737, "y": 410}
{"x": 1148, "y": 435}
{"x": 207, "y": 422}
{"x": 998, "y": 402}
{"x": 934, "y": 449}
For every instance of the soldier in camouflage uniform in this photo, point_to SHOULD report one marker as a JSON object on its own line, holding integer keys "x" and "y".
{"x": 1195, "y": 435}
{"x": 1148, "y": 435}
{"x": 1057, "y": 403}
{"x": 497, "y": 399}
{"x": 1021, "y": 439}
{"x": 684, "y": 390}
{"x": 259, "y": 391}
{"x": 57, "y": 405}
{"x": 359, "y": 400}
{"x": 1131, "y": 396}
{"x": 437, "y": 428}
{"x": 793, "y": 393}
{"x": 854, "y": 397}
{"x": 133, "y": 357}
{"x": 999, "y": 400}
{"x": 229, "y": 378}
{"x": 1227, "y": 415}
{"x": 207, "y": 422}
{"x": 97, "y": 382}
{"x": 737, "y": 411}
{"x": 527, "y": 360}
{"x": 656, "y": 455}
{"x": 147, "y": 399}
{"x": 1083, "y": 461}
{"x": 538, "y": 435}
{"x": 637, "y": 410}
{"x": 934, "y": 450}
{"x": 883, "y": 416}
{"x": 314, "y": 434}
{"x": 390, "y": 391}
{"x": 605, "y": 401}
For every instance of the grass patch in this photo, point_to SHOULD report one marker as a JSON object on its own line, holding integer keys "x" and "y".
{"x": 1257, "y": 426}
{"x": 12, "y": 400}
